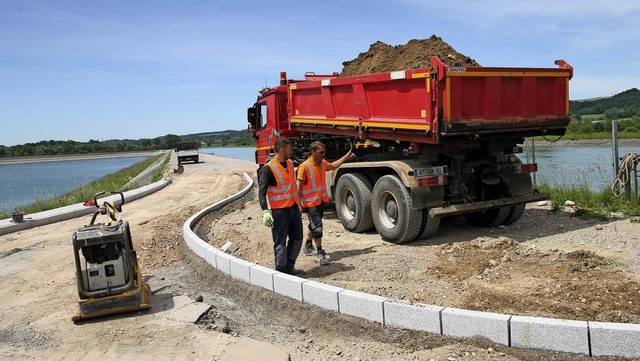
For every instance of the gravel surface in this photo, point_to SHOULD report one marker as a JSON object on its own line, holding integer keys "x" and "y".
{"x": 37, "y": 282}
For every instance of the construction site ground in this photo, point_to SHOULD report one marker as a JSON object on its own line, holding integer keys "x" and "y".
{"x": 549, "y": 264}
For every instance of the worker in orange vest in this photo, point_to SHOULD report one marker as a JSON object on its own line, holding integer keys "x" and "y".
{"x": 279, "y": 201}
{"x": 313, "y": 195}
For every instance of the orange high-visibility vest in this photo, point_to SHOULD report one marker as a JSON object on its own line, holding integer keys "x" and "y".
{"x": 285, "y": 193}
{"x": 313, "y": 190}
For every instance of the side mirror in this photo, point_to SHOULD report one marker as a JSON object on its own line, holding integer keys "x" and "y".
{"x": 251, "y": 118}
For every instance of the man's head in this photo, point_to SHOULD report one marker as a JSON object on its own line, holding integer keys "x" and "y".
{"x": 318, "y": 151}
{"x": 282, "y": 149}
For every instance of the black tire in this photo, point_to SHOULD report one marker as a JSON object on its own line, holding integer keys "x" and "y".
{"x": 393, "y": 215}
{"x": 429, "y": 226}
{"x": 515, "y": 214}
{"x": 353, "y": 202}
{"x": 489, "y": 218}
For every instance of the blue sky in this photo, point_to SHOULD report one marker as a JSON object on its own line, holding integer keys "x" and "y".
{"x": 105, "y": 69}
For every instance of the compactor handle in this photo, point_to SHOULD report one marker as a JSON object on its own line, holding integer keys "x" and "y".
{"x": 118, "y": 207}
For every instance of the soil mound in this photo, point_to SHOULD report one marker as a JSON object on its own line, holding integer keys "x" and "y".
{"x": 382, "y": 57}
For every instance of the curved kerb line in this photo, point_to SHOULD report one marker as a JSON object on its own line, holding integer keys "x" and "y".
{"x": 584, "y": 337}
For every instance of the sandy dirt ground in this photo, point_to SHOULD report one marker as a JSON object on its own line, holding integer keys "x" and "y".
{"x": 546, "y": 264}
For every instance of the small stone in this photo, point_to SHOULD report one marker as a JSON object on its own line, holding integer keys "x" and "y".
{"x": 569, "y": 203}
{"x": 599, "y": 227}
{"x": 199, "y": 298}
{"x": 541, "y": 203}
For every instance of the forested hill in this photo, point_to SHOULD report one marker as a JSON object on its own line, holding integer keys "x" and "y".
{"x": 621, "y": 105}
{"x": 237, "y": 138}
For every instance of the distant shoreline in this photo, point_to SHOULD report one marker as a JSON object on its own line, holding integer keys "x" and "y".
{"x": 66, "y": 157}
{"x": 587, "y": 142}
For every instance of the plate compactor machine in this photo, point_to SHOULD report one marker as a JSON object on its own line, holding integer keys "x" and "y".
{"x": 107, "y": 272}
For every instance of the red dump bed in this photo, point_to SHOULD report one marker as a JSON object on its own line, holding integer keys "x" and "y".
{"x": 434, "y": 104}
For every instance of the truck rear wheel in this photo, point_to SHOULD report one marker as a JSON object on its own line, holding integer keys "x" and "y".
{"x": 393, "y": 215}
{"x": 489, "y": 218}
{"x": 515, "y": 214}
{"x": 353, "y": 202}
{"x": 429, "y": 225}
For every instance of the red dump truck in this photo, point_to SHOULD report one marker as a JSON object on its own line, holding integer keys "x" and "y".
{"x": 430, "y": 142}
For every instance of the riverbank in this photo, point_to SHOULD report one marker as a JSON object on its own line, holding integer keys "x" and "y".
{"x": 588, "y": 142}
{"x": 121, "y": 179}
{"x": 66, "y": 157}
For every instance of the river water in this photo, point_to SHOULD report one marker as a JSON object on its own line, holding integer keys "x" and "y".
{"x": 576, "y": 165}
{"x": 572, "y": 165}
{"x": 21, "y": 184}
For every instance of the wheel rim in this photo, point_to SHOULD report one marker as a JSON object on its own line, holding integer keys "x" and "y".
{"x": 388, "y": 213}
{"x": 349, "y": 206}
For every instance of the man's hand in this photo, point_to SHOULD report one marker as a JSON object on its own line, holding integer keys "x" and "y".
{"x": 267, "y": 218}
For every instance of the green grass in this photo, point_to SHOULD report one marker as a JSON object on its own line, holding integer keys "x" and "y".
{"x": 591, "y": 204}
{"x": 592, "y": 117}
{"x": 110, "y": 182}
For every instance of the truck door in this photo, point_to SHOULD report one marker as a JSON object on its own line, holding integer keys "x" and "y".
{"x": 266, "y": 130}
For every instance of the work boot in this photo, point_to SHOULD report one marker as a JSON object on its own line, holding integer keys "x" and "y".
{"x": 308, "y": 249}
{"x": 322, "y": 257}
{"x": 295, "y": 272}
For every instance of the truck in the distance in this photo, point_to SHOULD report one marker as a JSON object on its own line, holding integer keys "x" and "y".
{"x": 430, "y": 142}
{"x": 187, "y": 152}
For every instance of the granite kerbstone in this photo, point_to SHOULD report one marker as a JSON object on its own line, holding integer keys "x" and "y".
{"x": 550, "y": 334}
{"x": 210, "y": 255}
{"x": 288, "y": 285}
{"x": 223, "y": 262}
{"x": 615, "y": 339}
{"x": 465, "y": 323}
{"x": 419, "y": 317}
{"x": 239, "y": 269}
{"x": 363, "y": 305}
{"x": 321, "y": 295}
{"x": 262, "y": 276}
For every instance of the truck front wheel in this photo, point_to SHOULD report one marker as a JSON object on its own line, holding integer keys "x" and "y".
{"x": 353, "y": 202}
{"x": 393, "y": 215}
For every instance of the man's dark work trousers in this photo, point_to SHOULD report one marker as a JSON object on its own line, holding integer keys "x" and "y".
{"x": 287, "y": 223}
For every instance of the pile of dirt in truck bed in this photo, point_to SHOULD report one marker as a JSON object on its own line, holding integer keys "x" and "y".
{"x": 382, "y": 57}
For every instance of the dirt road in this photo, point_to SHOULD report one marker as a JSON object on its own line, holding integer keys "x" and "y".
{"x": 37, "y": 282}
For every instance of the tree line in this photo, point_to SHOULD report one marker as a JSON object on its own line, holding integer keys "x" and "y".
{"x": 596, "y": 115}
{"x": 60, "y": 147}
